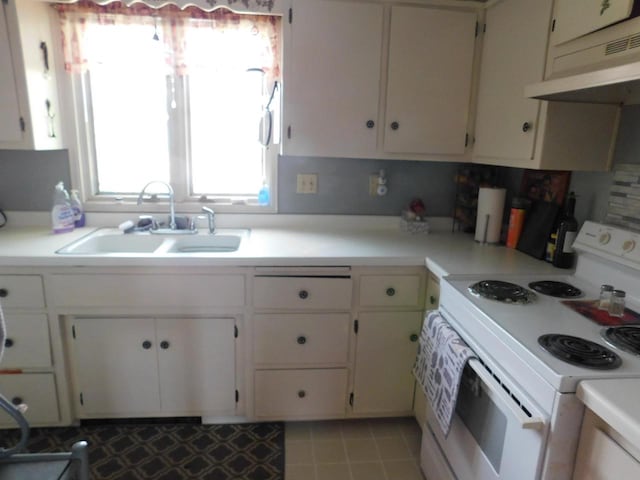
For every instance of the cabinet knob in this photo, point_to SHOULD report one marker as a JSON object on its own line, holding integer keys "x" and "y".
{"x": 164, "y": 344}
{"x": 146, "y": 344}
{"x": 302, "y": 393}
{"x": 395, "y": 125}
{"x": 302, "y": 340}
{"x": 391, "y": 291}
{"x": 414, "y": 337}
{"x": 526, "y": 126}
{"x": 4, "y": 292}
{"x": 17, "y": 401}
{"x": 303, "y": 294}
{"x": 371, "y": 124}
{"x": 432, "y": 300}
{"x": 8, "y": 342}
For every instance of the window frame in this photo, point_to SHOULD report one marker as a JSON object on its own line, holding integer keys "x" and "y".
{"x": 82, "y": 156}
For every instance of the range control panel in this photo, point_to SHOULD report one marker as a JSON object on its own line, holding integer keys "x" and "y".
{"x": 613, "y": 243}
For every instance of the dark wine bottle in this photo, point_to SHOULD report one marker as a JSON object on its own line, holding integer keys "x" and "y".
{"x": 564, "y": 255}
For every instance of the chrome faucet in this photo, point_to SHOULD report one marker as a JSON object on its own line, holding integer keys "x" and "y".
{"x": 211, "y": 217}
{"x": 172, "y": 209}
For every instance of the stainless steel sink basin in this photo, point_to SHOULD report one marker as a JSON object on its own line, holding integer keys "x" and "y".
{"x": 110, "y": 241}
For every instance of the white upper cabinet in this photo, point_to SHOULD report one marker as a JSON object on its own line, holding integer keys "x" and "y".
{"x": 333, "y": 85}
{"x": 429, "y": 80}
{"x": 574, "y": 18}
{"x": 372, "y": 80}
{"x": 512, "y": 130}
{"x": 28, "y": 90}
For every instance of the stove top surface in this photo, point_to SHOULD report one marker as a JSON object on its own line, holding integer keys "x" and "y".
{"x": 519, "y": 326}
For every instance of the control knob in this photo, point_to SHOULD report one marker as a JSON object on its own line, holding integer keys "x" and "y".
{"x": 604, "y": 238}
{"x": 628, "y": 245}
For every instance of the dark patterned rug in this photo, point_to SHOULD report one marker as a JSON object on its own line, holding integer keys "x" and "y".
{"x": 171, "y": 451}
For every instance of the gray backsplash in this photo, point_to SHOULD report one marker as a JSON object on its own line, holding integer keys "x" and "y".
{"x": 27, "y": 180}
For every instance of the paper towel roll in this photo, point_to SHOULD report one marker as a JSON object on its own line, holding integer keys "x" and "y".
{"x": 489, "y": 217}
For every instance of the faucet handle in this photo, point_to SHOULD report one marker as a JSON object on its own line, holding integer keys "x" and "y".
{"x": 193, "y": 224}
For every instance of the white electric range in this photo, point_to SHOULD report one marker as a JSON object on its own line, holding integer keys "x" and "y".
{"x": 517, "y": 413}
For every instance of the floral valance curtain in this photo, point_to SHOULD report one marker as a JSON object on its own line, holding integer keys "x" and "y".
{"x": 260, "y": 33}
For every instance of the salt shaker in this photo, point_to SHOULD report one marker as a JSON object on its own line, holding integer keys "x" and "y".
{"x": 605, "y": 297}
{"x": 616, "y": 306}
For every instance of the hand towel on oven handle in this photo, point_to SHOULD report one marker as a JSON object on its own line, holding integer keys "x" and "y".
{"x": 442, "y": 355}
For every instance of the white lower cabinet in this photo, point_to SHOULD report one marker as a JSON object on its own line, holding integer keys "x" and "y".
{"x": 37, "y": 391}
{"x": 300, "y": 393}
{"x": 386, "y": 348}
{"x": 153, "y": 366}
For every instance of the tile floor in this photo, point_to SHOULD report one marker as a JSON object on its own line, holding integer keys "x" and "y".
{"x": 368, "y": 449}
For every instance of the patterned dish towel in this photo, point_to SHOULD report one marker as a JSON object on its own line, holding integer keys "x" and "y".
{"x": 442, "y": 356}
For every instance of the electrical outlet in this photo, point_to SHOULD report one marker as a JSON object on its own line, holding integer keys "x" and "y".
{"x": 307, "y": 183}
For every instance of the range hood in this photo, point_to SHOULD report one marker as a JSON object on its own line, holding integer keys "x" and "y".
{"x": 613, "y": 85}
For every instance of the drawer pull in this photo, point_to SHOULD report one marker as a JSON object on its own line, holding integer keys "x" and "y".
{"x": 303, "y": 294}
{"x": 146, "y": 344}
{"x": 4, "y": 292}
{"x": 17, "y": 401}
{"x": 164, "y": 344}
{"x": 432, "y": 300}
{"x": 302, "y": 340}
{"x": 302, "y": 393}
{"x": 391, "y": 291}
{"x": 8, "y": 342}
{"x": 414, "y": 337}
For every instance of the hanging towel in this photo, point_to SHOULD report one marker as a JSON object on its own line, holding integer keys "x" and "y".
{"x": 442, "y": 355}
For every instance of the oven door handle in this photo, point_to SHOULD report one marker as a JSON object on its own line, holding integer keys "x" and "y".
{"x": 496, "y": 393}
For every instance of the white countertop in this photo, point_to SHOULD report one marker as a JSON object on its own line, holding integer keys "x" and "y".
{"x": 314, "y": 245}
{"x": 616, "y": 402}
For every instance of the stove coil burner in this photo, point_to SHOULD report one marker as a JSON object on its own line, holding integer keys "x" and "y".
{"x": 579, "y": 351}
{"x": 555, "y": 289}
{"x": 504, "y": 292}
{"x": 626, "y": 338}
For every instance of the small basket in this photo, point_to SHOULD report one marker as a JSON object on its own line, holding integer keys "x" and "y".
{"x": 413, "y": 226}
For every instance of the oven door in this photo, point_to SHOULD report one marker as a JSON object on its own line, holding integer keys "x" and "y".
{"x": 495, "y": 433}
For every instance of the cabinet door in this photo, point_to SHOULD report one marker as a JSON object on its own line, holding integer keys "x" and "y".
{"x": 116, "y": 366}
{"x": 513, "y": 55}
{"x": 429, "y": 80}
{"x": 387, "y": 344}
{"x": 10, "y": 118}
{"x": 196, "y": 358}
{"x": 332, "y": 89}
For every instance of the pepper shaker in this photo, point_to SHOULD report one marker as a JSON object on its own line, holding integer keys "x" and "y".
{"x": 616, "y": 307}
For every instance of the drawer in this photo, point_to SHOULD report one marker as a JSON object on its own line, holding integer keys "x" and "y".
{"x": 285, "y": 394}
{"x": 37, "y": 390}
{"x": 302, "y": 293}
{"x": 27, "y": 344}
{"x": 21, "y": 291}
{"x": 164, "y": 290}
{"x": 391, "y": 291}
{"x": 301, "y": 338}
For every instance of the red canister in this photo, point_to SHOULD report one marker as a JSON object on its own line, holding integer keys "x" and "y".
{"x": 516, "y": 221}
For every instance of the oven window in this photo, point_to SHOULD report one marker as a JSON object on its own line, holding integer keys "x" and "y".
{"x": 484, "y": 420}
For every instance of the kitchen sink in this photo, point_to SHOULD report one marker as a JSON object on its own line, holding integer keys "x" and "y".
{"x": 110, "y": 241}
{"x": 206, "y": 243}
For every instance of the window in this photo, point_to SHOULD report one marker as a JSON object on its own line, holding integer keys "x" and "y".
{"x": 185, "y": 97}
